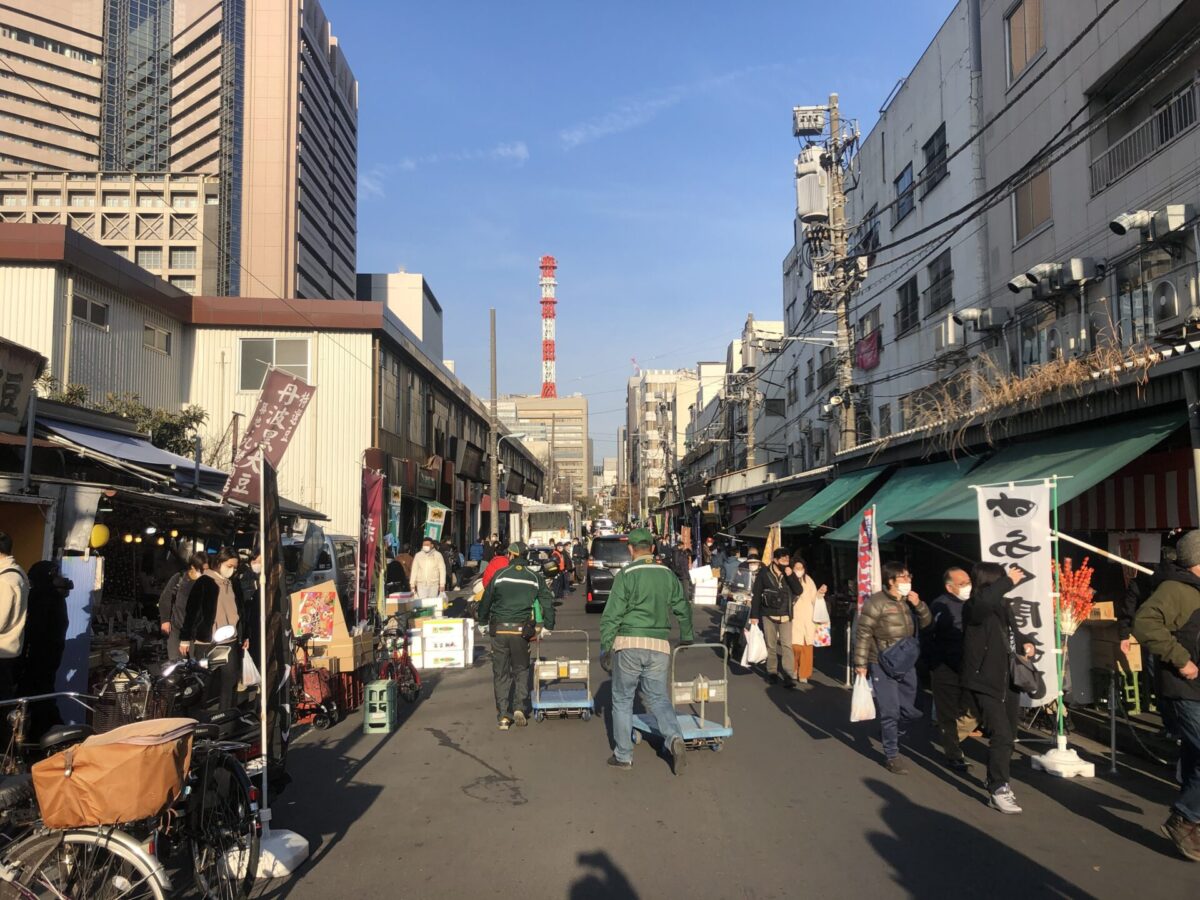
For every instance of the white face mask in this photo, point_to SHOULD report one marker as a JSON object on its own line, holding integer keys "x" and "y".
{"x": 426, "y": 549}
{"x": 227, "y": 571}
{"x": 903, "y": 588}
{"x": 964, "y": 593}
{"x": 256, "y": 568}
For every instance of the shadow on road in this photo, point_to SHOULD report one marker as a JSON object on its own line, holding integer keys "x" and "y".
{"x": 603, "y": 881}
{"x": 932, "y": 854}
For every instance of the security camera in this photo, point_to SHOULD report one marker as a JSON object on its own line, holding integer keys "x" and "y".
{"x": 1019, "y": 283}
{"x": 1125, "y": 222}
{"x": 1042, "y": 271}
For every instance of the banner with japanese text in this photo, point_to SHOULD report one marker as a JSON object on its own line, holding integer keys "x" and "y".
{"x": 1014, "y": 530}
{"x": 281, "y": 406}
{"x": 869, "y": 578}
{"x": 372, "y": 525}
{"x": 276, "y": 617}
{"x": 435, "y": 521}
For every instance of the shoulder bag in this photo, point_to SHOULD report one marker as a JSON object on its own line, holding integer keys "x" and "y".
{"x": 1023, "y": 674}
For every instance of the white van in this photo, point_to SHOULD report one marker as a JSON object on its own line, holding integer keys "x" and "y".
{"x": 318, "y": 557}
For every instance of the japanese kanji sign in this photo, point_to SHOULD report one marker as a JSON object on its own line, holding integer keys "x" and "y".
{"x": 281, "y": 406}
{"x": 869, "y": 580}
{"x": 1014, "y": 530}
{"x": 19, "y": 368}
{"x": 371, "y": 509}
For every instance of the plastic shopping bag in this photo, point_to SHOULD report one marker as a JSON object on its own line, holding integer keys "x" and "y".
{"x": 250, "y": 676}
{"x": 820, "y": 611}
{"x": 862, "y": 701}
{"x": 822, "y": 637}
{"x": 756, "y": 647}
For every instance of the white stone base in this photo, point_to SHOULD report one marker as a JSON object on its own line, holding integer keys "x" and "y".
{"x": 281, "y": 853}
{"x": 1064, "y": 762}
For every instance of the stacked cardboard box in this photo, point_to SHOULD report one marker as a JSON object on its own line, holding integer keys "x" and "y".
{"x": 1106, "y": 646}
{"x": 447, "y": 643}
{"x": 704, "y": 585}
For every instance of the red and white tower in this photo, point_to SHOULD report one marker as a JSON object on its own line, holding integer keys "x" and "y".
{"x": 549, "y": 387}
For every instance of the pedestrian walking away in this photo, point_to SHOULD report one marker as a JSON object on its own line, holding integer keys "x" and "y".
{"x": 771, "y": 605}
{"x": 886, "y": 648}
{"x": 634, "y": 646}
{"x": 990, "y": 639}
{"x": 942, "y": 648}
{"x": 428, "y": 575}
{"x": 508, "y": 608}
{"x": 1168, "y": 624}
{"x": 804, "y": 628}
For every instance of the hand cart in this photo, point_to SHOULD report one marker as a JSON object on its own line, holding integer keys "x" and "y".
{"x": 557, "y": 698}
{"x": 697, "y": 730}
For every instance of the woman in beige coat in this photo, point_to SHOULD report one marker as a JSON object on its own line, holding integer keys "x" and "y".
{"x": 804, "y": 629}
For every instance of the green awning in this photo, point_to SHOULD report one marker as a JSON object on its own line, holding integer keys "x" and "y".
{"x": 826, "y": 504}
{"x": 758, "y": 524}
{"x": 906, "y": 489}
{"x": 1087, "y": 455}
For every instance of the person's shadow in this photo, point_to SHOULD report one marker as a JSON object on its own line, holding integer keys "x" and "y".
{"x": 924, "y": 867}
{"x": 602, "y": 881}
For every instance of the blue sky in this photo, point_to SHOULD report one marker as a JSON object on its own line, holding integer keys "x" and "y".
{"x": 645, "y": 145}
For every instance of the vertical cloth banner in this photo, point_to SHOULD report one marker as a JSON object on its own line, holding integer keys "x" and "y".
{"x": 372, "y": 512}
{"x": 1014, "y": 530}
{"x": 281, "y": 406}
{"x": 275, "y": 616}
{"x": 435, "y": 521}
{"x": 869, "y": 578}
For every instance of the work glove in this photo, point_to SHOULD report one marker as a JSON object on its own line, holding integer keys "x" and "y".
{"x": 606, "y": 661}
{"x": 546, "y": 632}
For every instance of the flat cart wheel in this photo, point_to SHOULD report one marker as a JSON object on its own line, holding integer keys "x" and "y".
{"x": 718, "y": 746}
{"x": 637, "y": 737}
{"x": 539, "y": 716}
{"x": 585, "y": 715}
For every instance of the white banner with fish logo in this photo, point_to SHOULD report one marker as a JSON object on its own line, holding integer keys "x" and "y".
{"x": 1014, "y": 530}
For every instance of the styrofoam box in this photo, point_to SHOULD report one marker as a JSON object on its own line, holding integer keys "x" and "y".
{"x": 702, "y": 574}
{"x": 445, "y": 659}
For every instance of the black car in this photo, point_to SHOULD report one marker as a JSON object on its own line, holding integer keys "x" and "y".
{"x": 608, "y": 554}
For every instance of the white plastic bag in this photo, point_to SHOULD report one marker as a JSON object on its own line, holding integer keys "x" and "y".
{"x": 820, "y": 611}
{"x": 862, "y": 701}
{"x": 756, "y": 647}
{"x": 250, "y": 676}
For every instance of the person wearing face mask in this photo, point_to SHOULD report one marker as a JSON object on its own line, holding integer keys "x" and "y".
{"x": 428, "y": 571}
{"x": 214, "y": 603}
{"x": 172, "y": 602}
{"x": 942, "y": 649}
{"x": 804, "y": 629}
{"x": 888, "y": 619}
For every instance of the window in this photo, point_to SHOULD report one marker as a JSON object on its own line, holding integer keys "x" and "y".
{"x": 149, "y": 257}
{"x": 112, "y": 199}
{"x": 869, "y": 323}
{"x": 793, "y": 387}
{"x": 183, "y": 257}
{"x": 47, "y": 198}
{"x": 935, "y": 160}
{"x": 156, "y": 339}
{"x": 907, "y": 412}
{"x": 774, "y": 406}
{"x": 1024, "y": 36}
{"x": 808, "y": 378}
{"x": 885, "y": 419}
{"x": 12, "y": 198}
{"x": 150, "y": 201}
{"x": 908, "y": 312}
{"x": 826, "y": 372}
{"x": 905, "y": 202}
{"x": 184, "y": 282}
{"x": 90, "y": 311}
{"x": 1031, "y": 205}
{"x": 183, "y": 201}
{"x": 260, "y": 354}
{"x": 940, "y": 292}
{"x": 867, "y": 238}
{"x": 81, "y": 198}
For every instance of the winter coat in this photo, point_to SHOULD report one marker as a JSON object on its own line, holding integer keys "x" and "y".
{"x": 200, "y": 615}
{"x": 14, "y": 603}
{"x": 643, "y": 595}
{"x": 990, "y": 637}
{"x": 428, "y": 568}
{"x": 510, "y": 595}
{"x": 771, "y": 595}
{"x": 804, "y": 629}
{"x": 1168, "y": 625}
{"x": 884, "y": 621}
{"x": 498, "y": 562}
{"x": 942, "y": 642}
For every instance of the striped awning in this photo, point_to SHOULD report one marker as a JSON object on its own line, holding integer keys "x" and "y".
{"x": 1155, "y": 492}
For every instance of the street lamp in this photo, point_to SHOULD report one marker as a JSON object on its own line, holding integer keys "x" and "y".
{"x": 495, "y": 477}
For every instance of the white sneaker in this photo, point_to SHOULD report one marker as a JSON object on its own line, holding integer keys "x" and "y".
{"x": 1004, "y": 800}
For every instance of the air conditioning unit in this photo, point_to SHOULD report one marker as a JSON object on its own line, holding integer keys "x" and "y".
{"x": 948, "y": 336}
{"x": 1102, "y": 330}
{"x": 1169, "y": 220}
{"x": 1065, "y": 338}
{"x": 1080, "y": 269}
{"x": 1171, "y": 301}
{"x": 993, "y": 317}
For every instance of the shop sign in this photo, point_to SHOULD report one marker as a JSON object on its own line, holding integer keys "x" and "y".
{"x": 368, "y": 547}
{"x": 281, "y": 405}
{"x": 19, "y": 369}
{"x": 435, "y": 521}
{"x": 426, "y": 483}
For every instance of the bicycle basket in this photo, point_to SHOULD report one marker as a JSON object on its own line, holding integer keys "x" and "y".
{"x": 129, "y": 774}
{"x": 124, "y": 702}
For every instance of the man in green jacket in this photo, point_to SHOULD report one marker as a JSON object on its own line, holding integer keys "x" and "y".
{"x": 1168, "y": 624}
{"x": 634, "y": 647}
{"x": 508, "y": 608}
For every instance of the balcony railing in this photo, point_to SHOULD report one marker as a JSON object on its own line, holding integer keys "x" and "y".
{"x": 825, "y": 372}
{"x": 940, "y": 293}
{"x": 908, "y": 316}
{"x": 1175, "y": 117}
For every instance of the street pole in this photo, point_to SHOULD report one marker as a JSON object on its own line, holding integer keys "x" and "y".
{"x": 494, "y": 440}
{"x": 840, "y": 278}
{"x": 751, "y": 409}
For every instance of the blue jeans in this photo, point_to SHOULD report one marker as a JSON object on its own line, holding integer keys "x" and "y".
{"x": 650, "y": 671}
{"x": 895, "y": 703}
{"x": 1187, "y": 720}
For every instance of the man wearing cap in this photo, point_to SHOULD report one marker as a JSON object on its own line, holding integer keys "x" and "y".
{"x": 634, "y": 647}
{"x": 1168, "y": 624}
{"x": 508, "y": 608}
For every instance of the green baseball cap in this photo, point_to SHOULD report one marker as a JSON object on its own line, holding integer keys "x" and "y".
{"x": 641, "y": 536}
{"x": 516, "y": 548}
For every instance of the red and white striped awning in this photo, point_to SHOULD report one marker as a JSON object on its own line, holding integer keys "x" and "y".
{"x": 1156, "y": 492}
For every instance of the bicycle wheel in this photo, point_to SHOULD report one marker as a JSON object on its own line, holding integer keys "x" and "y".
{"x": 409, "y": 681}
{"x": 92, "y": 864}
{"x": 224, "y": 829}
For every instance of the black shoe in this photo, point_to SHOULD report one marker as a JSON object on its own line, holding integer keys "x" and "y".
{"x": 614, "y": 763}
{"x": 505, "y": 723}
{"x": 678, "y": 756}
{"x": 772, "y": 678}
{"x": 896, "y": 767}
{"x": 789, "y": 682}
{"x": 961, "y": 766}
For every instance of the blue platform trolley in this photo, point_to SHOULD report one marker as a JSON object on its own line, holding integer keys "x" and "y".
{"x": 562, "y": 687}
{"x": 696, "y": 696}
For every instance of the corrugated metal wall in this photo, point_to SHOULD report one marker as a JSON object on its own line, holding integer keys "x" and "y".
{"x": 31, "y": 302}
{"x": 323, "y": 463}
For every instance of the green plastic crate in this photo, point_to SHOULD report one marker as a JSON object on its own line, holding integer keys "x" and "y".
{"x": 379, "y": 708}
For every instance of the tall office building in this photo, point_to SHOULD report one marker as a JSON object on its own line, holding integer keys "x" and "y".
{"x": 556, "y": 430}
{"x": 254, "y": 98}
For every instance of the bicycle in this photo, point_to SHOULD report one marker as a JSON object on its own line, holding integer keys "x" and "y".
{"x": 124, "y": 696}
{"x": 397, "y": 665}
{"x": 19, "y": 751}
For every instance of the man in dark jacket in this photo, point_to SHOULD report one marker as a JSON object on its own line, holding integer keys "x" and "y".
{"x": 942, "y": 647}
{"x": 508, "y": 608}
{"x": 771, "y": 601}
{"x": 894, "y": 615}
{"x": 172, "y": 602}
{"x": 1137, "y": 593}
{"x": 1168, "y": 625}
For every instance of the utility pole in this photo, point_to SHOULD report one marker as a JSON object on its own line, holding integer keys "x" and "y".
{"x": 494, "y": 440}
{"x": 840, "y": 277}
{"x": 751, "y": 410}
{"x": 555, "y": 493}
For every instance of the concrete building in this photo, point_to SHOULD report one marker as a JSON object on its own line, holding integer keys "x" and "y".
{"x": 258, "y": 97}
{"x": 656, "y": 425}
{"x": 110, "y": 326}
{"x": 556, "y": 429}
{"x": 409, "y": 296}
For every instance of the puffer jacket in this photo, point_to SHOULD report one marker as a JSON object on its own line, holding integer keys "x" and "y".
{"x": 1168, "y": 625}
{"x": 884, "y": 621}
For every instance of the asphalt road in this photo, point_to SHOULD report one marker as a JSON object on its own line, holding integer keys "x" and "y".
{"x": 796, "y": 805}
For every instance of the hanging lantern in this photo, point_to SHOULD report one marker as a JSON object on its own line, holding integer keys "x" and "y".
{"x": 128, "y": 538}
{"x": 174, "y": 532}
{"x": 138, "y": 539}
{"x": 99, "y": 537}
{"x": 161, "y": 540}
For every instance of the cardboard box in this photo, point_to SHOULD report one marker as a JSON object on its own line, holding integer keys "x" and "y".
{"x": 1107, "y": 655}
{"x": 332, "y": 663}
{"x": 1102, "y": 610}
{"x": 705, "y": 594}
{"x": 444, "y": 634}
{"x": 444, "y": 659}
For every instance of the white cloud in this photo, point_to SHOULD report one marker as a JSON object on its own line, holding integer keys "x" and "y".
{"x": 372, "y": 183}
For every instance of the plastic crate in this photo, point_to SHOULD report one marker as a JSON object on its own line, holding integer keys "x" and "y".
{"x": 349, "y": 690}
{"x": 380, "y": 709}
